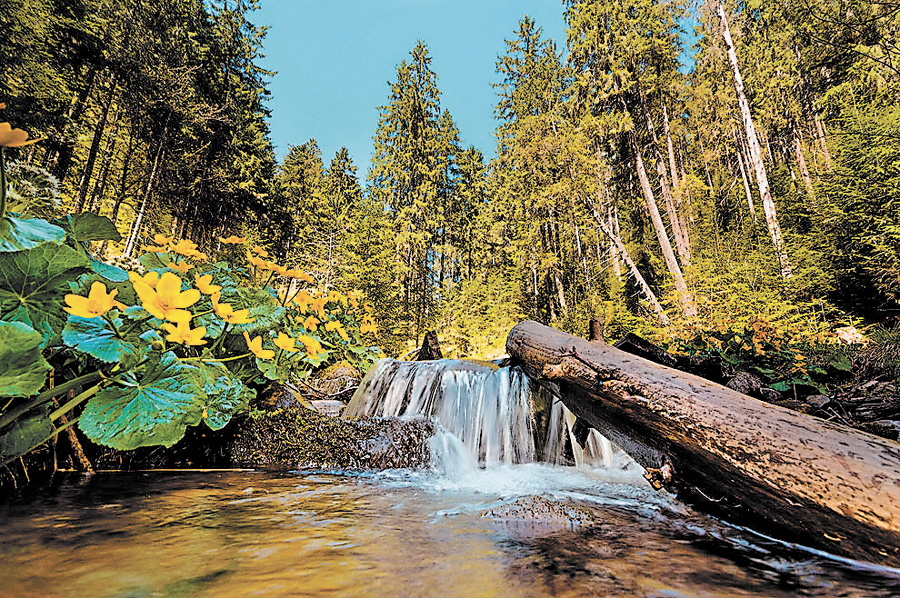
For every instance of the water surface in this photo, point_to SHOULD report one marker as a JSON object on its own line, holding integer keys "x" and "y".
{"x": 392, "y": 533}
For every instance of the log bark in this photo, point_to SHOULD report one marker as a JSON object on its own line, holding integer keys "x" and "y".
{"x": 784, "y": 473}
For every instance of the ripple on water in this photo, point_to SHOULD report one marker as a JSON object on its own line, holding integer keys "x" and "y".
{"x": 395, "y": 533}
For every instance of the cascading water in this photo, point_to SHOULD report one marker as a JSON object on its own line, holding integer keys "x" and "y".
{"x": 489, "y": 415}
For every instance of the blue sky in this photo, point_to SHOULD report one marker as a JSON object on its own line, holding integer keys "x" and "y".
{"x": 335, "y": 58}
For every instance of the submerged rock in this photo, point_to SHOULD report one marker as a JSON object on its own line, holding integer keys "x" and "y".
{"x": 538, "y": 510}
{"x": 296, "y": 437}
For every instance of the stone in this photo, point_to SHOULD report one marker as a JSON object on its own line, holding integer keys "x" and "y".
{"x": 745, "y": 383}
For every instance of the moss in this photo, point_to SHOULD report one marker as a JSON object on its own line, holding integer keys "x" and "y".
{"x": 295, "y": 437}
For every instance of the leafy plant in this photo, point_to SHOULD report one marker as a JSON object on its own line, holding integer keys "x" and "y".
{"x": 178, "y": 340}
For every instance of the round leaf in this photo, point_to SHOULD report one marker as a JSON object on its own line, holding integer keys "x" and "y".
{"x": 23, "y": 370}
{"x": 147, "y": 408}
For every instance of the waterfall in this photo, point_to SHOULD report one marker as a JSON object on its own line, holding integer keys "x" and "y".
{"x": 489, "y": 415}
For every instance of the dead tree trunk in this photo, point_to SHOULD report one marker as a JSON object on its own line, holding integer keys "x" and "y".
{"x": 755, "y": 156}
{"x": 431, "y": 348}
{"x": 784, "y": 473}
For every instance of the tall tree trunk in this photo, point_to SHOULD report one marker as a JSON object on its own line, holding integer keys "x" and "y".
{"x": 739, "y": 152}
{"x": 100, "y": 187}
{"x": 682, "y": 244}
{"x": 671, "y": 149}
{"x": 59, "y": 158}
{"x": 123, "y": 186}
{"x": 804, "y": 173}
{"x": 88, "y": 170}
{"x": 755, "y": 153}
{"x": 632, "y": 267}
{"x": 148, "y": 190}
{"x": 685, "y": 298}
{"x": 820, "y": 135}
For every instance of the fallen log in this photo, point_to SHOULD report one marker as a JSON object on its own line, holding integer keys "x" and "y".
{"x": 780, "y": 472}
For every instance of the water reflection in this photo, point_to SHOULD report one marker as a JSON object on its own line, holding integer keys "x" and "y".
{"x": 230, "y": 534}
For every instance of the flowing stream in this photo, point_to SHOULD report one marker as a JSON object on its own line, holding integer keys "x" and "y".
{"x": 496, "y": 515}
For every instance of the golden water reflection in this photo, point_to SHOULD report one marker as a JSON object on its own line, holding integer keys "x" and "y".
{"x": 237, "y": 534}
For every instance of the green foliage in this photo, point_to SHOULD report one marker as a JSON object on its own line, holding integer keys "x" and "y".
{"x": 17, "y": 234}
{"x": 23, "y": 370}
{"x": 33, "y": 284}
{"x": 149, "y": 405}
{"x": 175, "y": 346}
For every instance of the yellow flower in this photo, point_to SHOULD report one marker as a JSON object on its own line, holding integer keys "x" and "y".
{"x": 353, "y": 300}
{"x": 257, "y": 262}
{"x": 260, "y": 251}
{"x": 233, "y": 240}
{"x": 167, "y": 301}
{"x": 313, "y": 348}
{"x": 333, "y": 325}
{"x": 337, "y": 297}
{"x": 300, "y": 275}
{"x": 161, "y": 239}
{"x": 182, "y": 265}
{"x": 303, "y": 299}
{"x": 368, "y": 326}
{"x": 285, "y": 343}
{"x": 281, "y": 270}
{"x": 97, "y": 303}
{"x": 310, "y": 323}
{"x": 10, "y": 137}
{"x": 185, "y": 247}
{"x": 150, "y": 278}
{"x": 184, "y": 334}
{"x": 204, "y": 284}
{"x": 255, "y": 346}
{"x": 156, "y": 248}
{"x": 344, "y": 335}
{"x": 227, "y": 313}
{"x": 318, "y": 305}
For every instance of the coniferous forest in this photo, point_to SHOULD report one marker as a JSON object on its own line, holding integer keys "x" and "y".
{"x": 747, "y": 205}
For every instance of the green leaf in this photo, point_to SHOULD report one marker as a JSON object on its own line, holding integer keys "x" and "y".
{"x": 841, "y": 362}
{"x": 264, "y": 310}
{"x": 110, "y": 273}
{"x": 17, "y": 234}
{"x": 156, "y": 261}
{"x": 98, "y": 339}
{"x": 280, "y": 371}
{"x": 126, "y": 293}
{"x": 86, "y": 227}
{"x": 226, "y": 395}
{"x": 33, "y": 285}
{"x": 26, "y": 432}
{"x": 23, "y": 370}
{"x": 146, "y": 408}
{"x": 783, "y": 386}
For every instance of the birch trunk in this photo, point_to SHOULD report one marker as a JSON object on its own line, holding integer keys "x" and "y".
{"x": 632, "y": 267}
{"x": 755, "y": 153}
{"x": 820, "y": 134}
{"x": 681, "y": 241}
{"x": 804, "y": 172}
{"x": 685, "y": 297}
{"x": 739, "y": 151}
{"x": 136, "y": 228}
{"x": 671, "y": 150}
